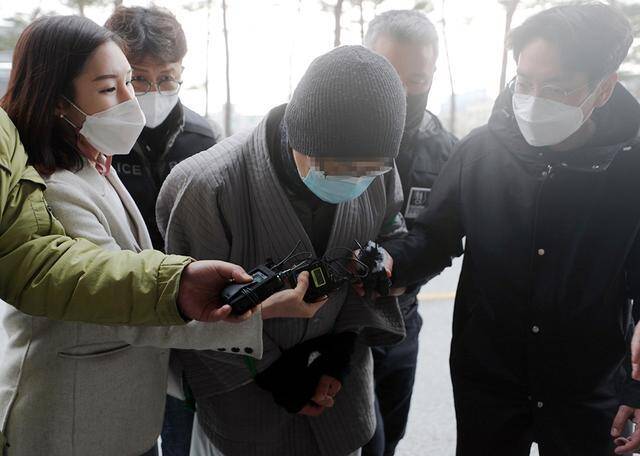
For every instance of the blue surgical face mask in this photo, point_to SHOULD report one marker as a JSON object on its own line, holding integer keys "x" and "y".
{"x": 336, "y": 189}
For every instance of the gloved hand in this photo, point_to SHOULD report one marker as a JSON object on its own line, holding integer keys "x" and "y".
{"x": 336, "y": 351}
{"x": 294, "y": 377}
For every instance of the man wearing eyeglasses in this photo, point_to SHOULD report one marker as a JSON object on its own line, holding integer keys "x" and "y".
{"x": 547, "y": 195}
{"x": 155, "y": 45}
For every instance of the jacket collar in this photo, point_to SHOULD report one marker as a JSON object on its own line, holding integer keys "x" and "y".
{"x": 180, "y": 119}
{"x": 195, "y": 123}
{"x": 430, "y": 125}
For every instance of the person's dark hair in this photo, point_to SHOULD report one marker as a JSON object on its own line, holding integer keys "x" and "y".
{"x": 593, "y": 38}
{"x": 149, "y": 32}
{"x": 403, "y": 25}
{"x": 50, "y": 53}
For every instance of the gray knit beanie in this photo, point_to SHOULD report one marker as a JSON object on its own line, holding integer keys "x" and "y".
{"x": 349, "y": 104}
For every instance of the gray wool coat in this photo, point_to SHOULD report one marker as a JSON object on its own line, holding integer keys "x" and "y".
{"x": 227, "y": 203}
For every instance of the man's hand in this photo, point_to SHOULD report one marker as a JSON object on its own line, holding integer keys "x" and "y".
{"x": 388, "y": 262}
{"x": 290, "y": 303}
{"x": 200, "y": 286}
{"x": 324, "y": 397}
{"x": 388, "y": 267}
{"x": 626, "y": 444}
{"x": 327, "y": 389}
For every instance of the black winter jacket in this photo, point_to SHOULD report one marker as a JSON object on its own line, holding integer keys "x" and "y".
{"x": 552, "y": 256}
{"x": 419, "y": 163}
{"x": 183, "y": 134}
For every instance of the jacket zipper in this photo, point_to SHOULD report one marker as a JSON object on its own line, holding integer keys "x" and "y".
{"x": 546, "y": 174}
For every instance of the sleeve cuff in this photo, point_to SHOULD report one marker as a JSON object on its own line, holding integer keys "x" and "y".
{"x": 169, "y": 274}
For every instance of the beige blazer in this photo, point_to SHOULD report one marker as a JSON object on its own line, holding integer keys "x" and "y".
{"x": 79, "y": 389}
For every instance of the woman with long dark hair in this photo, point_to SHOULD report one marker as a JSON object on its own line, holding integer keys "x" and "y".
{"x": 73, "y": 388}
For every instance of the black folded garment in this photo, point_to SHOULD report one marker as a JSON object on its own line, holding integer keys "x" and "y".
{"x": 294, "y": 377}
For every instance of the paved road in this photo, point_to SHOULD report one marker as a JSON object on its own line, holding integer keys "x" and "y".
{"x": 432, "y": 424}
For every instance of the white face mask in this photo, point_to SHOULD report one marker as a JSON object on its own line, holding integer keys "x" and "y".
{"x": 545, "y": 122}
{"x": 115, "y": 130}
{"x": 156, "y": 107}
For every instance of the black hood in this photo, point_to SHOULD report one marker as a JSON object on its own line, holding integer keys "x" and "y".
{"x": 617, "y": 123}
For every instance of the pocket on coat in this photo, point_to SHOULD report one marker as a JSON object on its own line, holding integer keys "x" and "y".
{"x": 94, "y": 350}
{"x": 114, "y": 387}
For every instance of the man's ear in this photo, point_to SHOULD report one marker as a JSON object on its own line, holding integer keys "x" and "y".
{"x": 606, "y": 90}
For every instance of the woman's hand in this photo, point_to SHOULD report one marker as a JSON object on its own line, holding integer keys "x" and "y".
{"x": 201, "y": 283}
{"x": 291, "y": 303}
